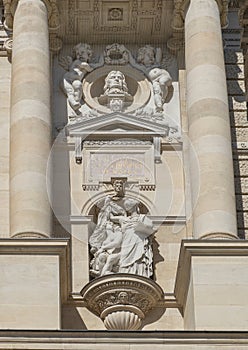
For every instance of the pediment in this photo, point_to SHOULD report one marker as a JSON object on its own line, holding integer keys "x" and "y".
{"x": 116, "y": 124}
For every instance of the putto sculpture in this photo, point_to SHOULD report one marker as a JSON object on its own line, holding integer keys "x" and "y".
{"x": 115, "y": 94}
{"x": 161, "y": 80}
{"x": 77, "y": 66}
{"x": 121, "y": 241}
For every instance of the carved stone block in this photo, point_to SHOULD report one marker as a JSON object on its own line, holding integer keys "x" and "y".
{"x": 122, "y": 300}
{"x": 113, "y": 159}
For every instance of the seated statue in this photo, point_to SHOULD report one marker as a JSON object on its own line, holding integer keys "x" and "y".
{"x": 121, "y": 241}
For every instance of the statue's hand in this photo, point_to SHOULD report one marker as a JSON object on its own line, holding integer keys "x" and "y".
{"x": 84, "y": 66}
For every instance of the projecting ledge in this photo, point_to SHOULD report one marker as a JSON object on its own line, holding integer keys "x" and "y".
{"x": 212, "y": 283}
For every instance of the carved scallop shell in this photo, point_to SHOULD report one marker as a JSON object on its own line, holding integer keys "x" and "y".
{"x": 122, "y": 320}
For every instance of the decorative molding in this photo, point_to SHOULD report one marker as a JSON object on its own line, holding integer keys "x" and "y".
{"x": 157, "y": 149}
{"x": 240, "y": 147}
{"x": 55, "y": 43}
{"x": 156, "y": 339}
{"x": 219, "y": 235}
{"x": 147, "y": 187}
{"x": 116, "y": 142}
{"x": 29, "y": 235}
{"x": 156, "y": 220}
{"x": 125, "y": 25}
{"x": 78, "y": 150}
{"x": 119, "y": 298}
{"x": 89, "y": 187}
{"x": 8, "y": 45}
{"x": 135, "y": 127}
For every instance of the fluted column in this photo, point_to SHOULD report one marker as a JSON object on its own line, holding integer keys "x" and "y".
{"x": 30, "y": 213}
{"x": 212, "y": 182}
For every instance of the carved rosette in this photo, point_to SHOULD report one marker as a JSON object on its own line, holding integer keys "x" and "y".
{"x": 122, "y": 300}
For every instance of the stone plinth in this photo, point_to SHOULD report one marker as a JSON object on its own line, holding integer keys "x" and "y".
{"x": 121, "y": 300}
{"x": 212, "y": 283}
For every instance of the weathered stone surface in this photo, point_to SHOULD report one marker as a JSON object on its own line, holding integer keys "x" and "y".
{"x": 241, "y": 185}
{"x": 238, "y": 118}
{"x": 240, "y": 167}
{"x": 240, "y": 134}
{"x": 242, "y": 202}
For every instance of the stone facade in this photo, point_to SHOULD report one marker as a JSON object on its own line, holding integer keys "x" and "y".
{"x": 123, "y": 192}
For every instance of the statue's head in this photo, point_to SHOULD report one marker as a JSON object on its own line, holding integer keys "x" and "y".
{"x": 82, "y": 52}
{"x": 115, "y": 80}
{"x": 118, "y": 186}
{"x": 146, "y": 55}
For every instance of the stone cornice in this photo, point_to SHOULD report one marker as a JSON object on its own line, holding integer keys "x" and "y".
{"x": 52, "y": 10}
{"x": 83, "y": 340}
{"x": 190, "y": 248}
{"x": 59, "y": 247}
{"x": 180, "y": 7}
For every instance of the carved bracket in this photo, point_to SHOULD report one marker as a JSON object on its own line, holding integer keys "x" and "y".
{"x": 122, "y": 300}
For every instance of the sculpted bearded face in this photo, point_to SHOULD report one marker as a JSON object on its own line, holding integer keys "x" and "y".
{"x": 118, "y": 186}
{"x": 115, "y": 80}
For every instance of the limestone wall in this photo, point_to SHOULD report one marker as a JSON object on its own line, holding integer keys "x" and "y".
{"x": 239, "y": 128}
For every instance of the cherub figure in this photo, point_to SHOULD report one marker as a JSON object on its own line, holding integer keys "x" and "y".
{"x": 77, "y": 66}
{"x": 161, "y": 79}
